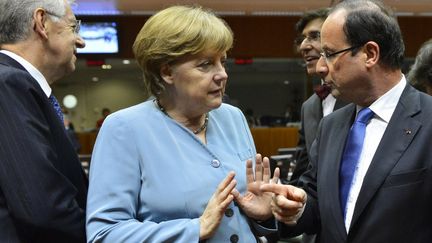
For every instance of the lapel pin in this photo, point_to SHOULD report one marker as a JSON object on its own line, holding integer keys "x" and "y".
{"x": 407, "y": 131}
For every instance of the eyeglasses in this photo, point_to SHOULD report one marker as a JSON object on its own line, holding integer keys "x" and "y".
{"x": 328, "y": 56}
{"x": 75, "y": 27}
{"x": 310, "y": 37}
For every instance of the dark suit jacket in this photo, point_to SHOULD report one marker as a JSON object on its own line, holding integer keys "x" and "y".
{"x": 311, "y": 115}
{"x": 394, "y": 204}
{"x": 42, "y": 185}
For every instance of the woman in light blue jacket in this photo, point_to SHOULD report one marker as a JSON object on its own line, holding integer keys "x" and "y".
{"x": 178, "y": 168}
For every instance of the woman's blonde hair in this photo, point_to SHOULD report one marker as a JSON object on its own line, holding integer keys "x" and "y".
{"x": 173, "y": 33}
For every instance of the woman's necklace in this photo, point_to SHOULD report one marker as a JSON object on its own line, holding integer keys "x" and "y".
{"x": 200, "y": 129}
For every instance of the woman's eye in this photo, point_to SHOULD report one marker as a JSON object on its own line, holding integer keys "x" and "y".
{"x": 205, "y": 64}
{"x": 223, "y": 62}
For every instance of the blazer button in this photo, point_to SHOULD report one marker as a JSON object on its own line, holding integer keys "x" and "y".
{"x": 229, "y": 212}
{"x": 234, "y": 238}
{"x": 215, "y": 163}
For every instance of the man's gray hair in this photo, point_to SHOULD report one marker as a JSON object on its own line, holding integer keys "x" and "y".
{"x": 16, "y": 17}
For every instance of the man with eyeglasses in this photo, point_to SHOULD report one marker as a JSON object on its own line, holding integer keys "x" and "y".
{"x": 322, "y": 102}
{"x": 43, "y": 188}
{"x": 370, "y": 178}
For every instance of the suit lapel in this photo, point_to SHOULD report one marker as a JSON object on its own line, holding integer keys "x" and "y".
{"x": 339, "y": 104}
{"x": 400, "y": 131}
{"x": 331, "y": 165}
{"x": 314, "y": 116}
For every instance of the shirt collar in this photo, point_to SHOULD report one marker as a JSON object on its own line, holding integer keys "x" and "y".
{"x": 32, "y": 70}
{"x": 385, "y": 105}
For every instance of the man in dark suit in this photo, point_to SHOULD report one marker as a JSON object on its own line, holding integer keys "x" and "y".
{"x": 323, "y": 101}
{"x": 390, "y": 191}
{"x": 42, "y": 185}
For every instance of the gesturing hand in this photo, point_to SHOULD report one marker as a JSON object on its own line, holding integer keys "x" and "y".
{"x": 218, "y": 203}
{"x": 288, "y": 202}
{"x": 255, "y": 203}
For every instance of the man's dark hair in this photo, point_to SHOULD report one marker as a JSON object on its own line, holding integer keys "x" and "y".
{"x": 369, "y": 20}
{"x": 307, "y": 17}
{"x": 421, "y": 71}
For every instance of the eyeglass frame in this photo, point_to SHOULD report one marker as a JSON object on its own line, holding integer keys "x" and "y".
{"x": 76, "y": 27}
{"x": 331, "y": 55}
{"x": 310, "y": 37}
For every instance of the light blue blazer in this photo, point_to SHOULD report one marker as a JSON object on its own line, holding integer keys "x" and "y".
{"x": 151, "y": 178}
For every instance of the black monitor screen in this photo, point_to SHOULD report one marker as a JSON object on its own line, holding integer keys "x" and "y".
{"x": 100, "y": 37}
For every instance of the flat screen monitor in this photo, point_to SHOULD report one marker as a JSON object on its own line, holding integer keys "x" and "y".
{"x": 100, "y": 38}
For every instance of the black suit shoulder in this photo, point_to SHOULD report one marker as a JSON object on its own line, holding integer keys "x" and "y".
{"x": 43, "y": 187}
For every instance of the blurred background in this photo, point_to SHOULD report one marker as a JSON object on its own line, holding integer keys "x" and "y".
{"x": 266, "y": 75}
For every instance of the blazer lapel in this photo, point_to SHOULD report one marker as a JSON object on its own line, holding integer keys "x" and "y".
{"x": 339, "y": 104}
{"x": 400, "y": 131}
{"x": 313, "y": 116}
{"x": 331, "y": 165}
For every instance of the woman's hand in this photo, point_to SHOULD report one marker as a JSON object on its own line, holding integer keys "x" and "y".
{"x": 213, "y": 213}
{"x": 256, "y": 203}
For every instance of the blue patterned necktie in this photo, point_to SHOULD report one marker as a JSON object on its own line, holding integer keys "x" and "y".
{"x": 56, "y": 106}
{"x": 351, "y": 154}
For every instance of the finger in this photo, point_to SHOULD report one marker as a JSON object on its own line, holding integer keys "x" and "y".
{"x": 266, "y": 169}
{"x": 285, "y": 204}
{"x": 286, "y": 220}
{"x": 236, "y": 194}
{"x": 226, "y": 202}
{"x": 226, "y": 182}
{"x": 276, "y": 176}
{"x": 249, "y": 172}
{"x": 290, "y": 192}
{"x": 258, "y": 167}
{"x": 286, "y": 212}
{"x": 228, "y": 190}
{"x": 298, "y": 195}
{"x": 275, "y": 188}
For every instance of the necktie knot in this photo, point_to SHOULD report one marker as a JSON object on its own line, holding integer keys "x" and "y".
{"x": 364, "y": 115}
{"x": 322, "y": 91}
{"x": 56, "y": 106}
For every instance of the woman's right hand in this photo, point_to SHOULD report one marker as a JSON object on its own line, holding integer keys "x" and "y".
{"x": 218, "y": 203}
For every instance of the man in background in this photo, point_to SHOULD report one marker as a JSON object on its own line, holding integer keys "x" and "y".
{"x": 369, "y": 178}
{"x": 323, "y": 101}
{"x": 420, "y": 73}
{"x": 105, "y": 113}
{"x": 43, "y": 187}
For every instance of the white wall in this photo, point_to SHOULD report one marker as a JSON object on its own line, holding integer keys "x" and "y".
{"x": 94, "y": 96}
{"x": 260, "y": 86}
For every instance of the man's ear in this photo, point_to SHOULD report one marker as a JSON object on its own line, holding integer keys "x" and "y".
{"x": 166, "y": 73}
{"x": 372, "y": 51}
{"x": 40, "y": 17}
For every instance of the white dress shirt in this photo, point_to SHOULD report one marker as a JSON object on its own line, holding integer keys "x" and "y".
{"x": 383, "y": 109}
{"x": 328, "y": 104}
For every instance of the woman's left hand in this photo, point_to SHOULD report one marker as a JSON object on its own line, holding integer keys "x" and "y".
{"x": 255, "y": 203}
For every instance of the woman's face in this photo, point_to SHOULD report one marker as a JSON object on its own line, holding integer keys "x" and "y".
{"x": 196, "y": 82}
